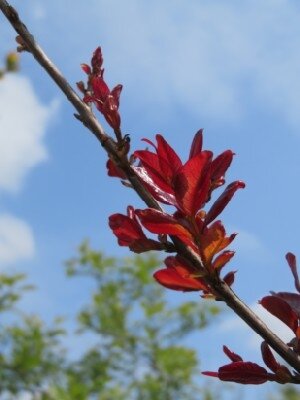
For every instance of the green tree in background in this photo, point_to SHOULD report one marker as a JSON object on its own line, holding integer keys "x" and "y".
{"x": 136, "y": 352}
{"x": 29, "y": 354}
{"x": 287, "y": 393}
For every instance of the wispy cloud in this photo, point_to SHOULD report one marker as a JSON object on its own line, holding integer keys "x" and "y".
{"x": 212, "y": 58}
{"x": 238, "y": 327}
{"x": 23, "y": 124}
{"x": 16, "y": 240}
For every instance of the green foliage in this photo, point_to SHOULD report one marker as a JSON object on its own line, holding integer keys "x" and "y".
{"x": 140, "y": 330}
{"x": 29, "y": 354}
{"x": 11, "y": 289}
{"x": 11, "y": 64}
{"x": 138, "y": 350}
{"x": 289, "y": 392}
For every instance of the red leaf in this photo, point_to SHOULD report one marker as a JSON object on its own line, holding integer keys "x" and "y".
{"x": 172, "y": 280}
{"x": 268, "y": 357}
{"x": 157, "y": 192}
{"x": 222, "y": 259}
{"x": 100, "y": 88}
{"x": 223, "y": 200}
{"x": 161, "y": 223}
{"x": 86, "y": 68}
{"x": 165, "y": 152}
{"x": 244, "y": 373}
{"x": 293, "y": 299}
{"x": 196, "y": 146}
{"x": 211, "y": 373}
{"x": 213, "y": 240}
{"x": 97, "y": 61}
{"x": 282, "y": 310}
{"x": 192, "y": 183}
{"x": 116, "y": 92}
{"x": 114, "y": 171}
{"x": 231, "y": 355}
{"x": 129, "y": 232}
{"x": 152, "y": 168}
{"x": 291, "y": 259}
{"x": 229, "y": 278}
{"x": 220, "y": 164}
{"x": 162, "y": 166}
{"x": 124, "y": 227}
{"x": 179, "y": 276}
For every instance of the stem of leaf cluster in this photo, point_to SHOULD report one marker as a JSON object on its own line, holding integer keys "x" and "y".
{"x": 86, "y": 116}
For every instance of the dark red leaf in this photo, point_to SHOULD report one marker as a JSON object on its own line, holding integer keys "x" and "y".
{"x": 129, "y": 232}
{"x": 231, "y": 355}
{"x": 244, "y": 373}
{"x": 293, "y": 299}
{"x": 157, "y": 192}
{"x": 161, "y": 167}
{"x": 223, "y": 200}
{"x": 86, "y": 68}
{"x": 268, "y": 357}
{"x": 192, "y": 183}
{"x": 220, "y": 164}
{"x": 97, "y": 61}
{"x": 100, "y": 88}
{"x": 80, "y": 85}
{"x": 282, "y": 310}
{"x": 114, "y": 171}
{"x": 152, "y": 168}
{"x": 211, "y": 373}
{"x": 229, "y": 278}
{"x": 291, "y": 259}
{"x": 196, "y": 146}
{"x": 166, "y": 153}
{"x": 162, "y": 223}
{"x": 125, "y": 228}
{"x": 116, "y": 94}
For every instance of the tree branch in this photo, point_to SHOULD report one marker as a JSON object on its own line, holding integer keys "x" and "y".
{"x": 86, "y": 116}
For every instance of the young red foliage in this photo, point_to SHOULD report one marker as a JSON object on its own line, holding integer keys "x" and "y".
{"x": 97, "y": 92}
{"x": 129, "y": 232}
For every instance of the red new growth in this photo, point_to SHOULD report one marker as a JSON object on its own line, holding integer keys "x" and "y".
{"x": 129, "y": 232}
{"x": 246, "y": 372}
{"x": 97, "y": 91}
{"x": 188, "y": 188}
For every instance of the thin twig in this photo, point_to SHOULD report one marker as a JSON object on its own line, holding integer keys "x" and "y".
{"x": 86, "y": 116}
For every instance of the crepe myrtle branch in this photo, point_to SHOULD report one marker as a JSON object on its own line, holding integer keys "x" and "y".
{"x": 161, "y": 177}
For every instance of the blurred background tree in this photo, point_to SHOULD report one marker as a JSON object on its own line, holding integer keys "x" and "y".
{"x": 11, "y": 64}
{"x": 139, "y": 350}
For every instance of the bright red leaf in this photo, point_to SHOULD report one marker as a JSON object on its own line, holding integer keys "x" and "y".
{"x": 192, "y": 183}
{"x": 223, "y": 200}
{"x": 162, "y": 223}
{"x": 179, "y": 276}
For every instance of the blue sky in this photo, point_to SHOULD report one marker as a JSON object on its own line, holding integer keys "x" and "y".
{"x": 230, "y": 67}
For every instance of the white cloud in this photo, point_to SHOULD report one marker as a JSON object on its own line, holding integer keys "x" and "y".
{"x": 23, "y": 123}
{"x": 209, "y": 57}
{"x": 238, "y": 326}
{"x": 16, "y": 240}
{"x": 213, "y": 58}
